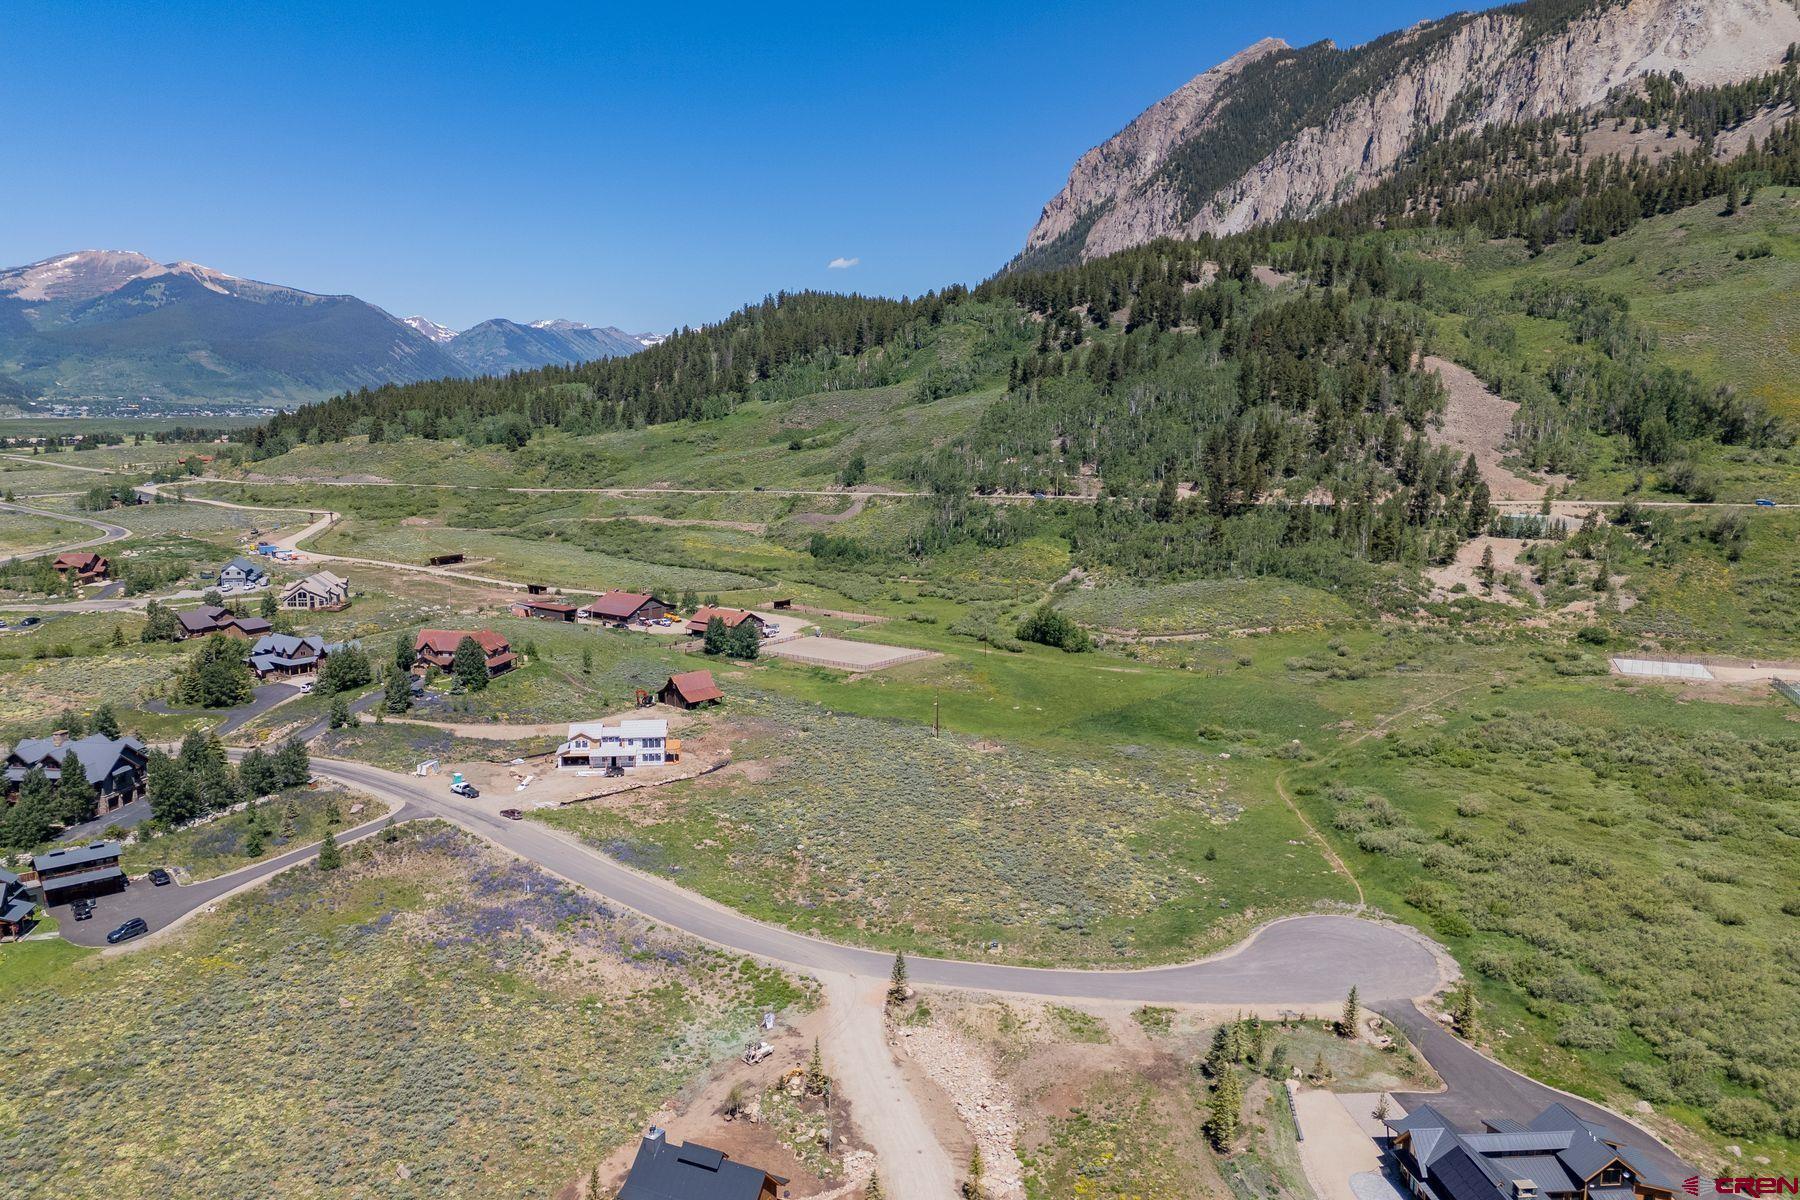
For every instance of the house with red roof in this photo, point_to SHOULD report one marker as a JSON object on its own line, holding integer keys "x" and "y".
{"x": 691, "y": 689}
{"x": 437, "y": 648}
{"x": 625, "y": 608}
{"x": 733, "y": 617}
{"x": 86, "y": 565}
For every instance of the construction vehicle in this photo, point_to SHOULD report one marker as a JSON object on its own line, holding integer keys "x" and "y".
{"x": 755, "y": 1052}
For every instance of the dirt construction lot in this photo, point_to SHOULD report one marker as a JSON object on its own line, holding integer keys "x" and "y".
{"x": 846, "y": 656}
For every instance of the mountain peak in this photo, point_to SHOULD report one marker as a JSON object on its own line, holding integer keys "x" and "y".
{"x": 1276, "y": 132}
{"x": 431, "y": 329}
{"x": 79, "y": 275}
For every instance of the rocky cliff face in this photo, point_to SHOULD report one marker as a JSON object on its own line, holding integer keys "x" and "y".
{"x": 1122, "y": 193}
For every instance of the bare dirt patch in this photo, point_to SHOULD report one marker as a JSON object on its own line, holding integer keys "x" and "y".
{"x": 1476, "y": 421}
{"x": 845, "y": 655}
{"x": 1466, "y": 570}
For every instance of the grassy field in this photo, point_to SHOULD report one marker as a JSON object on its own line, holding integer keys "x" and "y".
{"x": 22, "y": 531}
{"x": 220, "y": 846}
{"x": 874, "y": 831}
{"x": 411, "y": 1004}
{"x": 1207, "y": 607}
{"x": 1609, "y": 860}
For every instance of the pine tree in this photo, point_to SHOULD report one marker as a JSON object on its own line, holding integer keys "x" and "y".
{"x": 32, "y": 817}
{"x": 1224, "y": 1112}
{"x": 398, "y": 696}
{"x": 404, "y": 653}
{"x": 106, "y": 722}
{"x": 75, "y": 796}
{"x": 897, "y": 979}
{"x": 1464, "y": 1010}
{"x": 816, "y": 1080}
{"x": 714, "y": 640}
{"x": 593, "y": 1184}
{"x": 340, "y": 713}
{"x": 873, "y": 1190}
{"x": 469, "y": 665}
{"x": 1352, "y": 1010}
{"x": 330, "y": 857}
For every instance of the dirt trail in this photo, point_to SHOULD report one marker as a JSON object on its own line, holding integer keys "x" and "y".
{"x": 1476, "y": 421}
{"x": 913, "y": 1164}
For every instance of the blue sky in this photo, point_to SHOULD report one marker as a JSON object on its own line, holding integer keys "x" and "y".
{"x": 643, "y": 166}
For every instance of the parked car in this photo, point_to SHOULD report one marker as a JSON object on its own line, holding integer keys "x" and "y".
{"x": 512, "y": 814}
{"x": 1764, "y": 502}
{"x": 28, "y": 622}
{"x": 127, "y": 931}
{"x": 82, "y": 910}
{"x": 160, "y": 877}
{"x": 306, "y": 688}
{"x": 466, "y": 790}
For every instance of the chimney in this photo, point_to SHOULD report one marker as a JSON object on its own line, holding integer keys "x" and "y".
{"x": 59, "y": 737}
{"x": 1523, "y": 1189}
{"x": 655, "y": 1135}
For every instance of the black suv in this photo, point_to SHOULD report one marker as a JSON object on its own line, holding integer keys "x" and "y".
{"x": 159, "y": 877}
{"x": 82, "y": 910}
{"x": 127, "y": 931}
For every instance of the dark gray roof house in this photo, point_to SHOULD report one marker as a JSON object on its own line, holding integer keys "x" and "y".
{"x": 665, "y": 1171}
{"x": 115, "y": 766}
{"x": 286, "y": 654}
{"x": 16, "y": 903}
{"x": 241, "y": 572}
{"x": 78, "y": 870}
{"x": 1558, "y": 1156}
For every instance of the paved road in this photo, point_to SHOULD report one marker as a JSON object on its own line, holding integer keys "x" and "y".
{"x": 163, "y": 907}
{"x": 1305, "y": 960}
{"x": 1478, "y": 1088}
{"x": 108, "y": 531}
{"x": 1299, "y": 961}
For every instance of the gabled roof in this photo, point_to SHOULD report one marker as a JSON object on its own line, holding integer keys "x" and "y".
{"x": 696, "y": 686}
{"x": 79, "y": 560}
{"x": 445, "y": 641}
{"x": 619, "y": 605}
{"x": 733, "y": 617}
{"x": 322, "y": 582}
{"x": 1558, "y": 1151}
{"x": 240, "y": 563}
{"x": 203, "y": 619}
{"x": 75, "y": 856}
{"x": 99, "y": 756}
{"x": 664, "y": 1171}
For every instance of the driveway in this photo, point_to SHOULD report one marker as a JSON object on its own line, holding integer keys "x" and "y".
{"x": 128, "y": 816}
{"x": 165, "y": 906}
{"x": 262, "y": 698}
{"x": 1478, "y": 1088}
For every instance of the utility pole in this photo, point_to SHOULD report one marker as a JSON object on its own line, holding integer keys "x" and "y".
{"x": 936, "y": 726}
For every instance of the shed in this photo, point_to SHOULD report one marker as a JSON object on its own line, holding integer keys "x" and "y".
{"x": 691, "y": 689}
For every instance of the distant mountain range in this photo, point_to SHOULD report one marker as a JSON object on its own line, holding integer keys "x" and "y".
{"x": 116, "y": 325}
